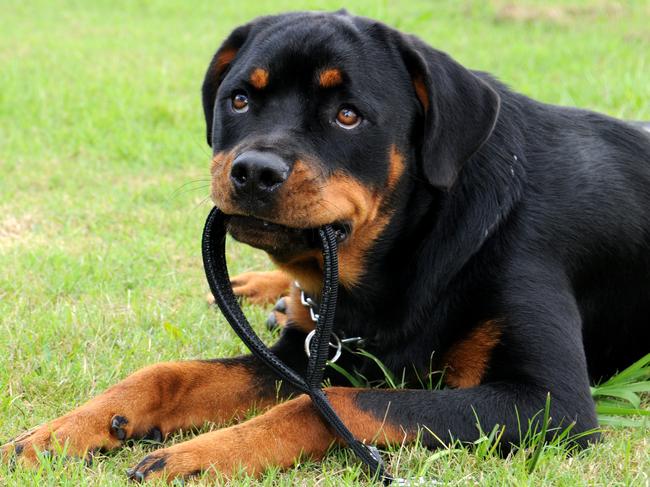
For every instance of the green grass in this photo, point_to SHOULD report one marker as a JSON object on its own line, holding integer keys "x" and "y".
{"x": 103, "y": 186}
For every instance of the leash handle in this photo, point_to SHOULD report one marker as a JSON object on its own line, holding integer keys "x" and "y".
{"x": 216, "y": 271}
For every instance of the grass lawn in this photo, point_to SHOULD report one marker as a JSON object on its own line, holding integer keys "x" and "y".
{"x": 103, "y": 193}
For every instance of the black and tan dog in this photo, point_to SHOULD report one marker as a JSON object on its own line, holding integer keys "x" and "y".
{"x": 503, "y": 240}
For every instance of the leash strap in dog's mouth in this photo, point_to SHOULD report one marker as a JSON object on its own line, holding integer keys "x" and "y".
{"x": 216, "y": 271}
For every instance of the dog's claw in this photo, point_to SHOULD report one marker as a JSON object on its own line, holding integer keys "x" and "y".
{"x": 116, "y": 427}
{"x": 90, "y": 457}
{"x": 281, "y": 305}
{"x": 135, "y": 475}
{"x": 272, "y": 322}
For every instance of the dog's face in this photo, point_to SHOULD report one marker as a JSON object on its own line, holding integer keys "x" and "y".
{"x": 316, "y": 119}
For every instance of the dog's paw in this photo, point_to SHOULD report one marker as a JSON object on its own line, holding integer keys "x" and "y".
{"x": 174, "y": 463}
{"x": 261, "y": 288}
{"x": 78, "y": 434}
{"x": 226, "y": 451}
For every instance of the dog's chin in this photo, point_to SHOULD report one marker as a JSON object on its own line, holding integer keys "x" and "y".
{"x": 283, "y": 243}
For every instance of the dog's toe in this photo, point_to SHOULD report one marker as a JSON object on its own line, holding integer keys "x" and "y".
{"x": 272, "y": 322}
{"x": 151, "y": 465}
{"x": 117, "y": 427}
{"x": 135, "y": 475}
{"x": 281, "y": 305}
{"x": 154, "y": 435}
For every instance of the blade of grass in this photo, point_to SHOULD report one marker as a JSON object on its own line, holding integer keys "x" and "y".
{"x": 542, "y": 436}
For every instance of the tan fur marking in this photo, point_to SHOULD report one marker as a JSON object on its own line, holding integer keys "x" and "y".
{"x": 364, "y": 425}
{"x": 421, "y": 91}
{"x": 363, "y": 207}
{"x": 221, "y": 187}
{"x": 338, "y": 198}
{"x": 468, "y": 359}
{"x": 395, "y": 168}
{"x": 224, "y": 59}
{"x": 329, "y": 78}
{"x": 259, "y": 78}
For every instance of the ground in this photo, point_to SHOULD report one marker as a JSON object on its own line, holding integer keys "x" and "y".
{"x": 104, "y": 190}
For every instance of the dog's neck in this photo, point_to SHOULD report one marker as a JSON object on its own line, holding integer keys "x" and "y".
{"x": 429, "y": 243}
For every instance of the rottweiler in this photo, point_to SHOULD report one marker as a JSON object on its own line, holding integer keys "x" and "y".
{"x": 490, "y": 242}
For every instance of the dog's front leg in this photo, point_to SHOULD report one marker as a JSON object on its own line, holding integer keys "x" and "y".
{"x": 152, "y": 403}
{"x": 278, "y": 437}
{"x": 294, "y": 429}
{"x": 541, "y": 353}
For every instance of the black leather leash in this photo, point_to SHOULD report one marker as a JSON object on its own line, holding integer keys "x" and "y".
{"x": 216, "y": 271}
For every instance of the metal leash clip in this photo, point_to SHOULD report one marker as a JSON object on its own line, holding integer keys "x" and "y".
{"x": 312, "y": 306}
{"x": 308, "y": 303}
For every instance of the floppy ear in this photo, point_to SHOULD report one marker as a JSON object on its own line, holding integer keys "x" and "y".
{"x": 217, "y": 70}
{"x": 460, "y": 110}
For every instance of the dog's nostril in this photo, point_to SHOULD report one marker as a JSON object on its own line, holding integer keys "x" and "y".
{"x": 240, "y": 173}
{"x": 270, "y": 177}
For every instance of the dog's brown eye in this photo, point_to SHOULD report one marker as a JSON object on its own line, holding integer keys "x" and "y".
{"x": 239, "y": 102}
{"x": 348, "y": 118}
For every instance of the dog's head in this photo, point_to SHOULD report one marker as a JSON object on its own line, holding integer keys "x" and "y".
{"x": 319, "y": 118}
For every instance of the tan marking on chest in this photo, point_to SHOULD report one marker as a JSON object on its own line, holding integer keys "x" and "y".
{"x": 468, "y": 359}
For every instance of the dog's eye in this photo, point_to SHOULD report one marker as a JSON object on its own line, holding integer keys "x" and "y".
{"x": 347, "y": 118}
{"x": 239, "y": 102}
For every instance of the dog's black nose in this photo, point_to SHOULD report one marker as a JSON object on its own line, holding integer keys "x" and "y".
{"x": 258, "y": 172}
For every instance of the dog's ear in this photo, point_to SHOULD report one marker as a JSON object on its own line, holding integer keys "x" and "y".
{"x": 217, "y": 70}
{"x": 460, "y": 110}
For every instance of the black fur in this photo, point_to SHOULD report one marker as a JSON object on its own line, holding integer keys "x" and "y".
{"x": 510, "y": 209}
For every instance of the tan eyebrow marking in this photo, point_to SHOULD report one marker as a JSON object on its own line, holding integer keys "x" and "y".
{"x": 259, "y": 78}
{"x": 330, "y": 78}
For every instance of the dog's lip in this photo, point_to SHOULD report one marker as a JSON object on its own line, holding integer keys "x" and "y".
{"x": 342, "y": 229}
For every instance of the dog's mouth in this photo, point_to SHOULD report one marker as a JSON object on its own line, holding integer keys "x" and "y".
{"x": 281, "y": 241}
